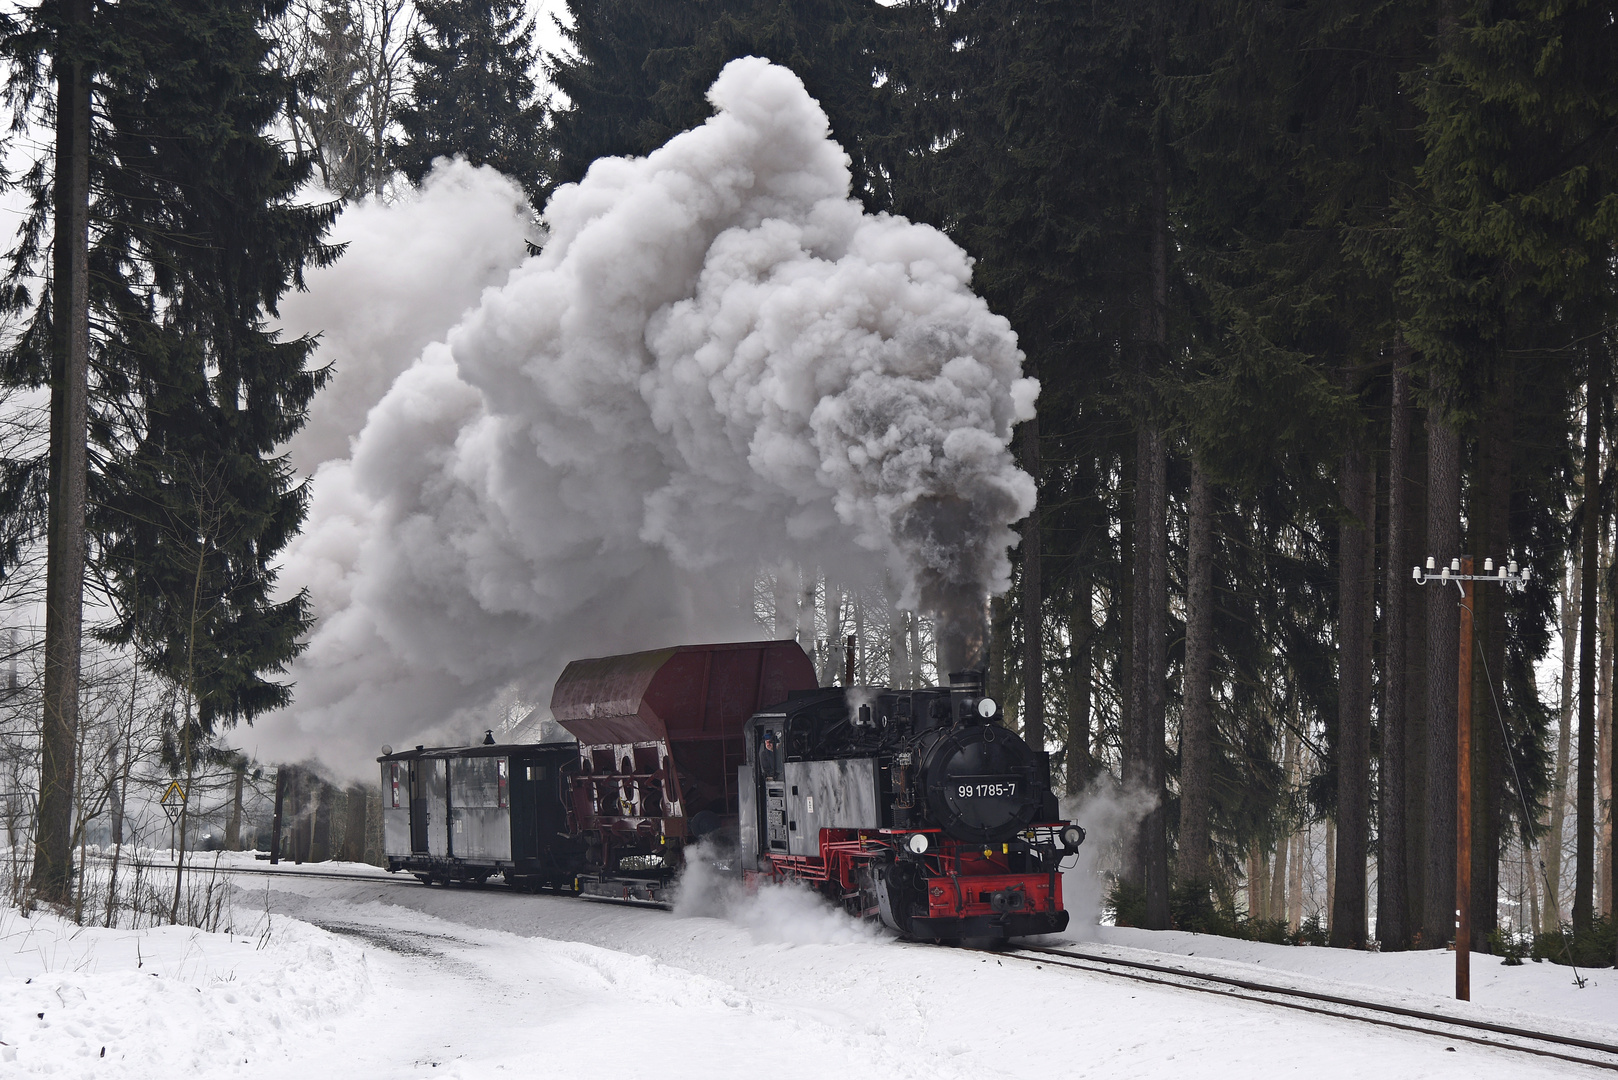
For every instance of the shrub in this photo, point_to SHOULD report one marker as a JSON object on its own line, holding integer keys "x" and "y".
{"x": 1593, "y": 948}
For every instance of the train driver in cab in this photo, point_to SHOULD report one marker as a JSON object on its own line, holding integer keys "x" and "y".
{"x": 769, "y": 757}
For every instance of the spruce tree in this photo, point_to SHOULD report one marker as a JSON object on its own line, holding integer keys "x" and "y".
{"x": 611, "y": 82}
{"x": 474, "y": 94}
{"x": 1506, "y": 250}
{"x": 195, "y": 236}
{"x": 201, "y": 237}
{"x": 639, "y": 73}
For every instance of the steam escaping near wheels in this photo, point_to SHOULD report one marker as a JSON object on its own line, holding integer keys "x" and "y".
{"x": 718, "y": 361}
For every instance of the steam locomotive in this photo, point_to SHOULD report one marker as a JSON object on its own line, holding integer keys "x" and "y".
{"x": 915, "y": 807}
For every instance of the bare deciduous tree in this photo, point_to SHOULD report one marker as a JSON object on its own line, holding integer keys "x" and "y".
{"x": 349, "y": 61}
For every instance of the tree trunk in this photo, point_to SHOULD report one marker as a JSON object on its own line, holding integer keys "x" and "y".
{"x": 1604, "y": 732}
{"x": 1081, "y": 633}
{"x": 1300, "y": 851}
{"x": 354, "y": 825}
{"x": 280, "y": 806}
{"x": 897, "y": 662}
{"x": 1392, "y": 900}
{"x": 1033, "y": 621}
{"x": 995, "y": 682}
{"x": 1356, "y": 545}
{"x": 233, "y": 829}
{"x": 52, "y": 879}
{"x": 1551, "y": 847}
{"x": 1136, "y": 771}
{"x": 1279, "y": 900}
{"x": 1443, "y": 630}
{"x": 861, "y": 678}
{"x": 1584, "y": 824}
{"x": 115, "y": 799}
{"x": 1533, "y": 891}
{"x": 916, "y": 675}
{"x": 1151, "y": 612}
{"x": 1331, "y": 870}
{"x": 1151, "y": 518}
{"x": 1129, "y": 750}
{"x": 1491, "y": 511}
{"x": 808, "y": 586}
{"x": 1257, "y": 882}
{"x": 1415, "y": 716}
{"x": 834, "y": 671}
{"x": 1196, "y": 716}
{"x": 320, "y": 829}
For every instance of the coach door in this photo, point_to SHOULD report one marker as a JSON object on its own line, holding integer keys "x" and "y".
{"x": 526, "y": 775}
{"x": 418, "y": 808}
{"x": 770, "y": 755}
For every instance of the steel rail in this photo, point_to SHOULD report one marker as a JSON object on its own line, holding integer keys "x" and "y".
{"x": 1141, "y": 971}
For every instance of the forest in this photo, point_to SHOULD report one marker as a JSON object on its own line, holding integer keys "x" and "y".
{"x": 1315, "y": 291}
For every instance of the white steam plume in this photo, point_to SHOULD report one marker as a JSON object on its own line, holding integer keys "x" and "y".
{"x": 788, "y": 913}
{"x": 1109, "y": 814}
{"x": 717, "y": 361}
{"x": 409, "y": 271}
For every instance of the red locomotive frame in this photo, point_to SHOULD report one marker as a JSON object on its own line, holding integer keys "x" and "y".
{"x": 970, "y": 889}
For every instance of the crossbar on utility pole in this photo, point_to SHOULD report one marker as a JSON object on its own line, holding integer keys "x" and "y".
{"x": 1460, "y": 572}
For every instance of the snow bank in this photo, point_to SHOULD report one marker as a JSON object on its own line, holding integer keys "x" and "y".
{"x": 166, "y": 1002}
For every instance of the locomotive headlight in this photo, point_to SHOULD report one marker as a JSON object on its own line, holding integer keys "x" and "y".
{"x": 987, "y": 708}
{"x": 918, "y": 843}
{"x": 1072, "y": 837}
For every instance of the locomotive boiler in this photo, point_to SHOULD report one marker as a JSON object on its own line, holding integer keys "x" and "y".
{"x": 917, "y": 807}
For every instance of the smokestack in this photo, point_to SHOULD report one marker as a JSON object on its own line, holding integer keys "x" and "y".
{"x": 848, "y": 661}
{"x": 965, "y": 691}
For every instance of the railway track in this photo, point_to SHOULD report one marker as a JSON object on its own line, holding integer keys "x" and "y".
{"x": 269, "y": 871}
{"x": 391, "y": 879}
{"x": 1590, "y": 1052}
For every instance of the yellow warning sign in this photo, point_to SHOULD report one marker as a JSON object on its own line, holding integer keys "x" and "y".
{"x": 173, "y": 800}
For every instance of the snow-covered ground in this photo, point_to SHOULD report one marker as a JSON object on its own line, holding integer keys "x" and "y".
{"x": 336, "y": 978}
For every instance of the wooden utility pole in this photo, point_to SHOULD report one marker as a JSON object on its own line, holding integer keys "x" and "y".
{"x": 1459, "y": 571}
{"x": 1463, "y": 796}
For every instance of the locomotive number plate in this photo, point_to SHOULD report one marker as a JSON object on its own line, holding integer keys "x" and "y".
{"x": 978, "y": 791}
